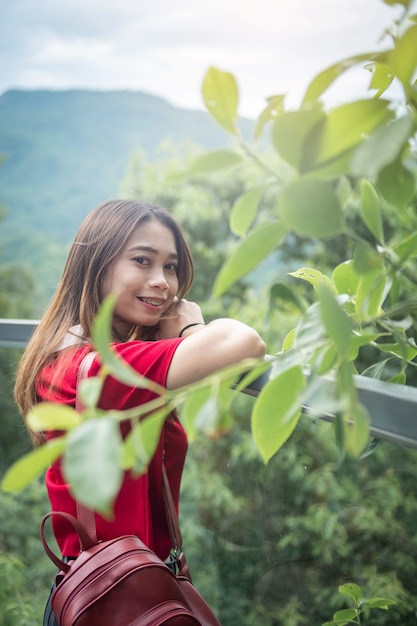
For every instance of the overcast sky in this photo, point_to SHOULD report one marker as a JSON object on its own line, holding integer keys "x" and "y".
{"x": 164, "y": 47}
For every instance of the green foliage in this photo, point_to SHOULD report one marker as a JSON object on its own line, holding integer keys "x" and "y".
{"x": 220, "y": 95}
{"x": 368, "y": 299}
{"x": 361, "y": 605}
{"x": 296, "y": 202}
{"x": 25, "y": 572}
{"x": 255, "y": 248}
{"x": 271, "y": 543}
{"x": 16, "y": 288}
{"x": 15, "y": 607}
{"x": 272, "y": 421}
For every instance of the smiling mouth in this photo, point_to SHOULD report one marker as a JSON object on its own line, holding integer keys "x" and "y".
{"x": 152, "y": 301}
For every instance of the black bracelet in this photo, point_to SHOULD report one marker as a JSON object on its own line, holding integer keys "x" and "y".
{"x": 189, "y": 326}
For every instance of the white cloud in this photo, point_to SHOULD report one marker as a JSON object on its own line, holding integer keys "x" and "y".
{"x": 165, "y": 46}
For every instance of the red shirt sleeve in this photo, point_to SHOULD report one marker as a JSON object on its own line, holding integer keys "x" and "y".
{"x": 139, "y": 507}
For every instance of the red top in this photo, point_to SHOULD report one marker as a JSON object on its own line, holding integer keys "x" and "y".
{"x": 139, "y": 508}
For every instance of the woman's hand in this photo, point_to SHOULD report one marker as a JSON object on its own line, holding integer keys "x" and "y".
{"x": 179, "y": 315}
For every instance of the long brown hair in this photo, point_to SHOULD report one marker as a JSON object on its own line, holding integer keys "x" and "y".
{"x": 100, "y": 239}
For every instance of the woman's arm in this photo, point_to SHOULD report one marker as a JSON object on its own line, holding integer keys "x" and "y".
{"x": 207, "y": 348}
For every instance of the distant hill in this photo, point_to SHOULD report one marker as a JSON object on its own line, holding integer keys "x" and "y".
{"x": 69, "y": 150}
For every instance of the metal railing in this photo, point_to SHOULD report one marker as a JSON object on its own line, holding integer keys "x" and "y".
{"x": 392, "y": 408}
{"x": 16, "y": 333}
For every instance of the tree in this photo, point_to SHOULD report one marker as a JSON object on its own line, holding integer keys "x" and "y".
{"x": 16, "y": 286}
{"x": 271, "y": 543}
{"x": 24, "y": 573}
{"x": 350, "y": 169}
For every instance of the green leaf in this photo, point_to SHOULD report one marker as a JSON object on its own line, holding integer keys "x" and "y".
{"x": 396, "y": 184}
{"x": 398, "y": 379}
{"x": 213, "y": 419}
{"x": 244, "y": 211}
{"x": 352, "y": 590}
{"x": 312, "y": 276}
{"x": 358, "y": 341}
{"x": 343, "y": 129}
{"x": 338, "y": 324}
{"x": 221, "y": 97}
{"x": 311, "y": 208}
{"x": 90, "y": 391}
{"x": 141, "y": 442}
{"x": 291, "y": 131}
{"x": 251, "y": 251}
{"x": 376, "y": 370}
{"x": 324, "y": 360}
{"x": 404, "y": 3}
{"x": 248, "y": 377}
{"x": 372, "y": 445}
{"x": 345, "y": 384}
{"x": 345, "y": 614}
{"x": 366, "y": 259}
{"x": 382, "y": 77}
{"x": 336, "y": 167}
{"x": 344, "y": 191}
{"x": 310, "y": 330}
{"x": 288, "y": 340}
{"x": 206, "y": 410}
{"x": 192, "y": 406}
{"x": 406, "y": 248}
{"x": 49, "y": 416}
{"x": 345, "y": 278}
{"x": 371, "y": 294}
{"x": 403, "y": 57}
{"x": 92, "y": 463}
{"x": 324, "y": 79}
{"x": 356, "y": 424}
{"x": 274, "y": 108}
{"x": 382, "y": 148}
{"x": 29, "y": 466}
{"x": 371, "y": 213}
{"x": 378, "y": 603}
{"x": 115, "y": 365}
{"x": 276, "y": 411}
{"x": 402, "y": 350}
{"x": 282, "y": 294}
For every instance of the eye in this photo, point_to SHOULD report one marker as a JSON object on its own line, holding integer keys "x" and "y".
{"x": 171, "y": 267}
{"x": 141, "y": 260}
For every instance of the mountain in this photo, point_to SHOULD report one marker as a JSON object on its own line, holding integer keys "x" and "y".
{"x": 66, "y": 151}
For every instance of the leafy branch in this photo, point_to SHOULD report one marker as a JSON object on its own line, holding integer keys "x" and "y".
{"x": 361, "y": 606}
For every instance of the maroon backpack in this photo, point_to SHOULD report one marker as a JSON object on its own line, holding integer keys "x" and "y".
{"x": 121, "y": 582}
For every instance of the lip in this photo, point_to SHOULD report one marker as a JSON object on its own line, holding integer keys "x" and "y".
{"x": 154, "y": 303}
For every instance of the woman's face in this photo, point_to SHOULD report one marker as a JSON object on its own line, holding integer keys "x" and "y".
{"x": 144, "y": 276}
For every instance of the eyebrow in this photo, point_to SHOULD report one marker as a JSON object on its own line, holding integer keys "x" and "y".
{"x": 152, "y": 250}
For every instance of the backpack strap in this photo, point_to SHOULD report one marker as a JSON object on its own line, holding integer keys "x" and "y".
{"x": 85, "y": 516}
{"x": 86, "y": 541}
{"x": 171, "y": 513}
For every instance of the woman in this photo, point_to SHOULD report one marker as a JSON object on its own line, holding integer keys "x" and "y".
{"x": 136, "y": 251}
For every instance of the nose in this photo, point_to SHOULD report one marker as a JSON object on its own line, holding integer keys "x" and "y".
{"x": 158, "y": 279}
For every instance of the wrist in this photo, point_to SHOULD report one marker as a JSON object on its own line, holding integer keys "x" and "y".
{"x": 189, "y": 326}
